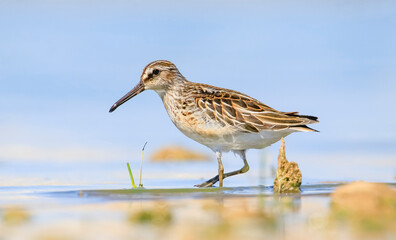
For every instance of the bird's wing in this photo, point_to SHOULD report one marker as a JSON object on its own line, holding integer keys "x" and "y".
{"x": 239, "y": 110}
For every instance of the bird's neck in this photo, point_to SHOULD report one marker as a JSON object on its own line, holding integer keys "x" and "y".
{"x": 175, "y": 90}
{"x": 161, "y": 93}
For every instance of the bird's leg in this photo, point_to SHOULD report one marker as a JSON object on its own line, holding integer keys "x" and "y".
{"x": 215, "y": 179}
{"x": 221, "y": 169}
{"x": 245, "y": 167}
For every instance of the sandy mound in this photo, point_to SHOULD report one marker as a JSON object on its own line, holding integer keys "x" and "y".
{"x": 369, "y": 207}
{"x": 363, "y": 198}
{"x": 177, "y": 153}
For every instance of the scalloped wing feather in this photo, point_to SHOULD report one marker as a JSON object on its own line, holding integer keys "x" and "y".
{"x": 246, "y": 113}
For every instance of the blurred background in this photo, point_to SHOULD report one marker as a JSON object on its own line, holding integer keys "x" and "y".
{"x": 64, "y": 63}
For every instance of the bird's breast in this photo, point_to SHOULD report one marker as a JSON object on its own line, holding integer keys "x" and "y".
{"x": 192, "y": 121}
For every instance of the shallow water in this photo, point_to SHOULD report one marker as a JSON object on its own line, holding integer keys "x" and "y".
{"x": 74, "y": 198}
{"x": 71, "y": 212}
{"x": 178, "y": 193}
{"x": 26, "y": 181}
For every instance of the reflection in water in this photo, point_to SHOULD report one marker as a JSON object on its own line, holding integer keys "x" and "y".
{"x": 213, "y": 213}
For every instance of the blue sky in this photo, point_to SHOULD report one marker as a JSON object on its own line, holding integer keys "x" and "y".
{"x": 64, "y": 63}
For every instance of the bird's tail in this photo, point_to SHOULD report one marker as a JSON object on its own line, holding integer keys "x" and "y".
{"x": 303, "y": 128}
{"x": 307, "y": 120}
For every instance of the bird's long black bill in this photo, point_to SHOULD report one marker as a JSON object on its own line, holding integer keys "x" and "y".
{"x": 135, "y": 91}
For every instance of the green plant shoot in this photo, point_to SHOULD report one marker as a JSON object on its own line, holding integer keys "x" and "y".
{"x": 130, "y": 175}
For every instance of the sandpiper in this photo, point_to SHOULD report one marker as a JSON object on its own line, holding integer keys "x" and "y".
{"x": 221, "y": 119}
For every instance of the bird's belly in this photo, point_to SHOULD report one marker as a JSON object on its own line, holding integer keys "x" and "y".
{"x": 218, "y": 137}
{"x": 262, "y": 139}
{"x": 222, "y": 140}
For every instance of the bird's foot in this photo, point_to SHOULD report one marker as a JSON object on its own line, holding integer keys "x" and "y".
{"x": 208, "y": 183}
{"x": 204, "y": 184}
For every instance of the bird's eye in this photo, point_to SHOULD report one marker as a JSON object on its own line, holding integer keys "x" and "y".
{"x": 156, "y": 71}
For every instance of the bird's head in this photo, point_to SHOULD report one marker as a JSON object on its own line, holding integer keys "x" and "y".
{"x": 159, "y": 76}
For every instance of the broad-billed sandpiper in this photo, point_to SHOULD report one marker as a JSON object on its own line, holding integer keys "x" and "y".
{"x": 221, "y": 119}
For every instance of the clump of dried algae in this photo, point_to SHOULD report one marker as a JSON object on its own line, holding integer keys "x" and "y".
{"x": 368, "y": 206}
{"x": 288, "y": 175}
